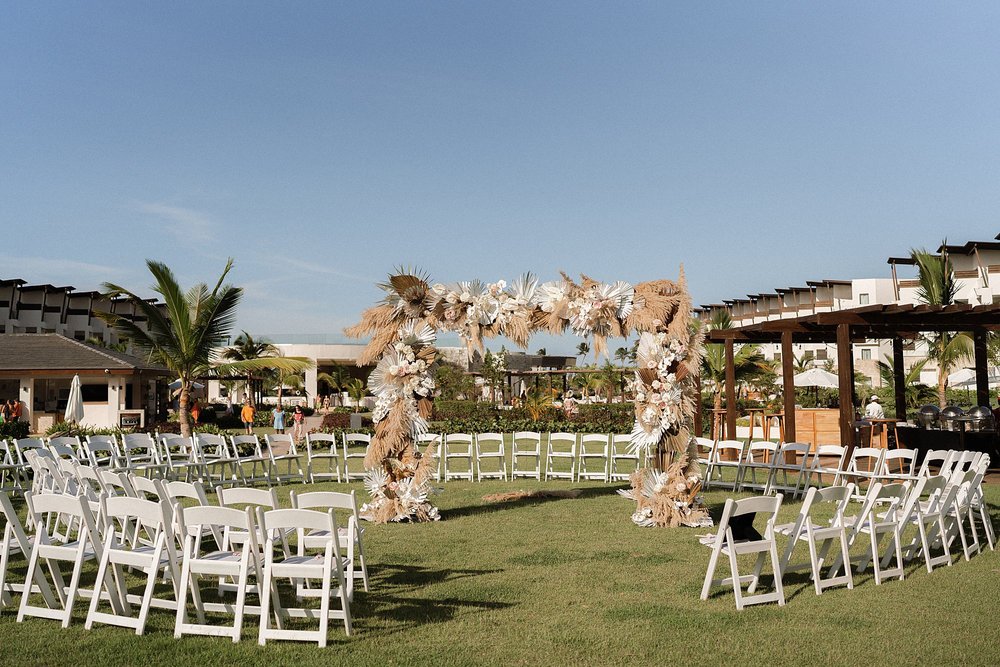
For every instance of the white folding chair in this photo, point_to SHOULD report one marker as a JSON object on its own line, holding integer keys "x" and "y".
{"x": 560, "y": 450}
{"x": 240, "y": 497}
{"x": 350, "y": 531}
{"x": 66, "y": 447}
{"x": 827, "y": 460}
{"x": 178, "y": 491}
{"x": 962, "y": 461}
{"x": 820, "y": 536}
{"x": 53, "y": 549}
{"x": 147, "y": 488}
{"x": 222, "y": 562}
{"x": 17, "y": 542}
{"x": 102, "y": 451}
{"x": 302, "y": 566}
{"x": 898, "y": 465}
{"x": 180, "y": 458}
{"x": 526, "y": 445}
{"x": 865, "y": 465}
{"x": 959, "y": 516}
{"x": 292, "y": 460}
{"x": 931, "y": 503}
{"x": 353, "y": 442}
{"x": 748, "y": 541}
{"x": 139, "y": 454}
{"x": 489, "y": 448}
{"x": 423, "y": 441}
{"x": 791, "y": 457}
{"x": 727, "y": 455}
{"x": 13, "y": 471}
{"x": 624, "y": 462}
{"x": 458, "y": 449}
{"x": 979, "y": 506}
{"x": 247, "y": 451}
{"x": 759, "y": 456}
{"x": 594, "y": 456}
{"x": 322, "y": 457}
{"x": 704, "y": 447}
{"x": 121, "y": 551}
{"x": 218, "y": 462}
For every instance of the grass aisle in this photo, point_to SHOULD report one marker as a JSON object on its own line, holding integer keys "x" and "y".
{"x": 570, "y": 582}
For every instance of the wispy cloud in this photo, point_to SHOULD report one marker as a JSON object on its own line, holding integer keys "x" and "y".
{"x": 321, "y": 269}
{"x": 186, "y": 224}
{"x": 82, "y": 275}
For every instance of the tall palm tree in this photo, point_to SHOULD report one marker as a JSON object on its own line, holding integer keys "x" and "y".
{"x": 357, "y": 390}
{"x": 622, "y": 354}
{"x": 246, "y": 347}
{"x": 336, "y": 379}
{"x": 938, "y": 288}
{"x": 916, "y": 393}
{"x": 748, "y": 360}
{"x": 582, "y": 350}
{"x": 185, "y": 333}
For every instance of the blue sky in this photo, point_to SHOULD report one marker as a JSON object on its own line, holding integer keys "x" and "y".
{"x": 320, "y": 144}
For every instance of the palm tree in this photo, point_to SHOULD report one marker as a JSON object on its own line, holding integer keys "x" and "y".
{"x": 938, "y": 288}
{"x": 916, "y": 393}
{"x": 537, "y": 401}
{"x": 622, "y": 354}
{"x": 245, "y": 348}
{"x": 186, "y": 331}
{"x": 582, "y": 350}
{"x": 336, "y": 379}
{"x": 357, "y": 390}
{"x": 748, "y": 360}
{"x": 541, "y": 352}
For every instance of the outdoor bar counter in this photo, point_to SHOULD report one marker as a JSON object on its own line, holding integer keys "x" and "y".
{"x": 817, "y": 426}
{"x": 925, "y": 439}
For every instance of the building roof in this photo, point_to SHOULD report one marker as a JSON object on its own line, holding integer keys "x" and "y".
{"x": 52, "y": 352}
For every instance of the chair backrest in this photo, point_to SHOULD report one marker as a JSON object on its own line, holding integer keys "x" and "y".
{"x": 838, "y": 495}
{"x": 598, "y": 442}
{"x": 134, "y": 514}
{"x": 800, "y": 450}
{"x": 23, "y": 445}
{"x": 458, "y": 442}
{"x": 963, "y": 461}
{"x": 89, "y": 481}
{"x": 704, "y": 447}
{"x": 333, "y": 500}
{"x": 146, "y": 487}
{"x": 274, "y": 439}
{"x": 562, "y": 441}
{"x": 176, "y": 448}
{"x": 139, "y": 448}
{"x": 274, "y": 523}
{"x": 899, "y": 461}
{"x": 767, "y": 506}
{"x": 219, "y": 520}
{"x": 210, "y": 446}
{"x": 866, "y": 459}
{"x": 759, "y": 450}
{"x": 889, "y": 499}
{"x": 245, "y": 442}
{"x": 102, "y": 450}
{"x": 190, "y": 490}
{"x": 115, "y": 483}
{"x": 732, "y": 447}
{"x": 42, "y": 505}
{"x": 325, "y": 443}
{"x": 8, "y": 455}
{"x": 526, "y": 441}
{"x": 492, "y": 442}
{"x": 242, "y": 496}
{"x": 66, "y": 446}
{"x": 939, "y": 457}
{"x": 621, "y": 445}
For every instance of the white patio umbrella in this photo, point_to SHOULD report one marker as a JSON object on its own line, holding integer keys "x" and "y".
{"x": 965, "y": 378}
{"x": 176, "y": 384}
{"x": 74, "y": 405}
{"x": 816, "y": 377}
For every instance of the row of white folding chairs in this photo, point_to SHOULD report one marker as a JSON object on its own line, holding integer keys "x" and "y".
{"x": 161, "y": 537}
{"x": 755, "y": 465}
{"x": 942, "y": 509}
{"x": 571, "y": 456}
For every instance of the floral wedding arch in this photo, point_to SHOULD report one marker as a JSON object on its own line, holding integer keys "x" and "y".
{"x": 403, "y": 329}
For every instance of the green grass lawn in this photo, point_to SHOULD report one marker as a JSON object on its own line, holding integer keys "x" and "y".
{"x": 570, "y": 582}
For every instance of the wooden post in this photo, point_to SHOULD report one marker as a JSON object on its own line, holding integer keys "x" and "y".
{"x": 846, "y": 385}
{"x": 787, "y": 375}
{"x": 899, "y": 376}
{"x": 730, "y": 390}
{"x": 982, "y": 373}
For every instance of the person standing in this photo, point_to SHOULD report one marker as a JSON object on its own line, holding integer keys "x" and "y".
{"x": 874, "y": 409}
{"x": 195, "y": 410}
{"x": 278, "y": 419}
{"x": 247, "y": 415}
{"x": 15, "y": 413}
{"x": 298, "y": 424}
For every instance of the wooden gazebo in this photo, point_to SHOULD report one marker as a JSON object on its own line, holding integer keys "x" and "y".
{"x": 897, "y": 322}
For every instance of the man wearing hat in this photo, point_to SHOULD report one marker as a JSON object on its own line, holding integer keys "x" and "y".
{"x": 874, "y": 409}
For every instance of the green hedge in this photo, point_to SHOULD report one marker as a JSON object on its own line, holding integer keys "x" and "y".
{"x": 14, "y": 430}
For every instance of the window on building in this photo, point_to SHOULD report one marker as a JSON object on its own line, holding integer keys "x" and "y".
{"x": 777, "y": 356}
{"x": 866, "y": 353}
{"x": 94, "y": 393}
{"x": 809, "y": 354}
{"x": 864, "y": 299}
{"x": 80, "y": 335}
{"x": 821, "y": 355}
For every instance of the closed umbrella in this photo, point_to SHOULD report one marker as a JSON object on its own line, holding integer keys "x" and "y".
{"x": 74, "y": 405}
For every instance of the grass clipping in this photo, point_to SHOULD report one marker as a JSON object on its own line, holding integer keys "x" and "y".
{"x": 514, "y": 496}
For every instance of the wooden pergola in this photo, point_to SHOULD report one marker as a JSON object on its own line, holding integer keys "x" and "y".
{"x": 896, "y": 322}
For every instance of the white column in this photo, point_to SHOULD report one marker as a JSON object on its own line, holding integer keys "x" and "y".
{"x": 27, "y": 398}
{"x": 312, "y": 386}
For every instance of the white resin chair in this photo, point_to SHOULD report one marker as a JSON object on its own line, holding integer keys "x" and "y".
{"x": 66, "y": 447}
{"x": 791, "y": 458}
{"x": 820, "y": 536}
{"x": 53, "y": 548}
{"x": 959, "y": 522}
{"x": 355, "y": 449}
{"x": 178, "y": 491}
{"x": 322, "y": 457}
{"x": 624, "y": 462}
{"x": 833, "y": 466}
{"x": 704, "y": 447}
{"x": 350, "y": 531}
{"x": 594, "y": 456}
{"x": 248, "y": 453}
{"x": 927, "y": 509}
{"x": 899, "y": 464}
{"x": 102, "y": 451}
{"x": 526, "y": 446}
{"x": 220, "y": 562}
{"x": 13, "y": 471}
{"x": 879, "y": 516}
{"x": 864, "y": 468}
{"x": 292, "y": 460}
{"x": 727, "y": 455}
{"x": 325, "y": 567}
{"x": 725, "y": 542}
{"x": 458, "y": 456}
{"x": 180, "y": 458}
{"x": 561, "y": 449}
{"x": 139, "y": 454}
{"x": 490, "y": 450}
{"x": 936, "y": 462}
{"x": 121, "y": 551}
{"x": 218, "y": 462}
{"x": 17, "y": 542}
{"x": 758, "y": 458}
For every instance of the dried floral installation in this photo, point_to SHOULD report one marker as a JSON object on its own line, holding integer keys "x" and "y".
{"x": 402, "y": 330}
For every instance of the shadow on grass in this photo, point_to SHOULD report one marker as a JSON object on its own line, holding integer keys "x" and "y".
{"x": 417, "y": 575}
{"x": 489, "y": 508}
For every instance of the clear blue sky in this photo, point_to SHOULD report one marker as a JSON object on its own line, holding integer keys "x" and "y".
{"x": 320, "y": 144}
